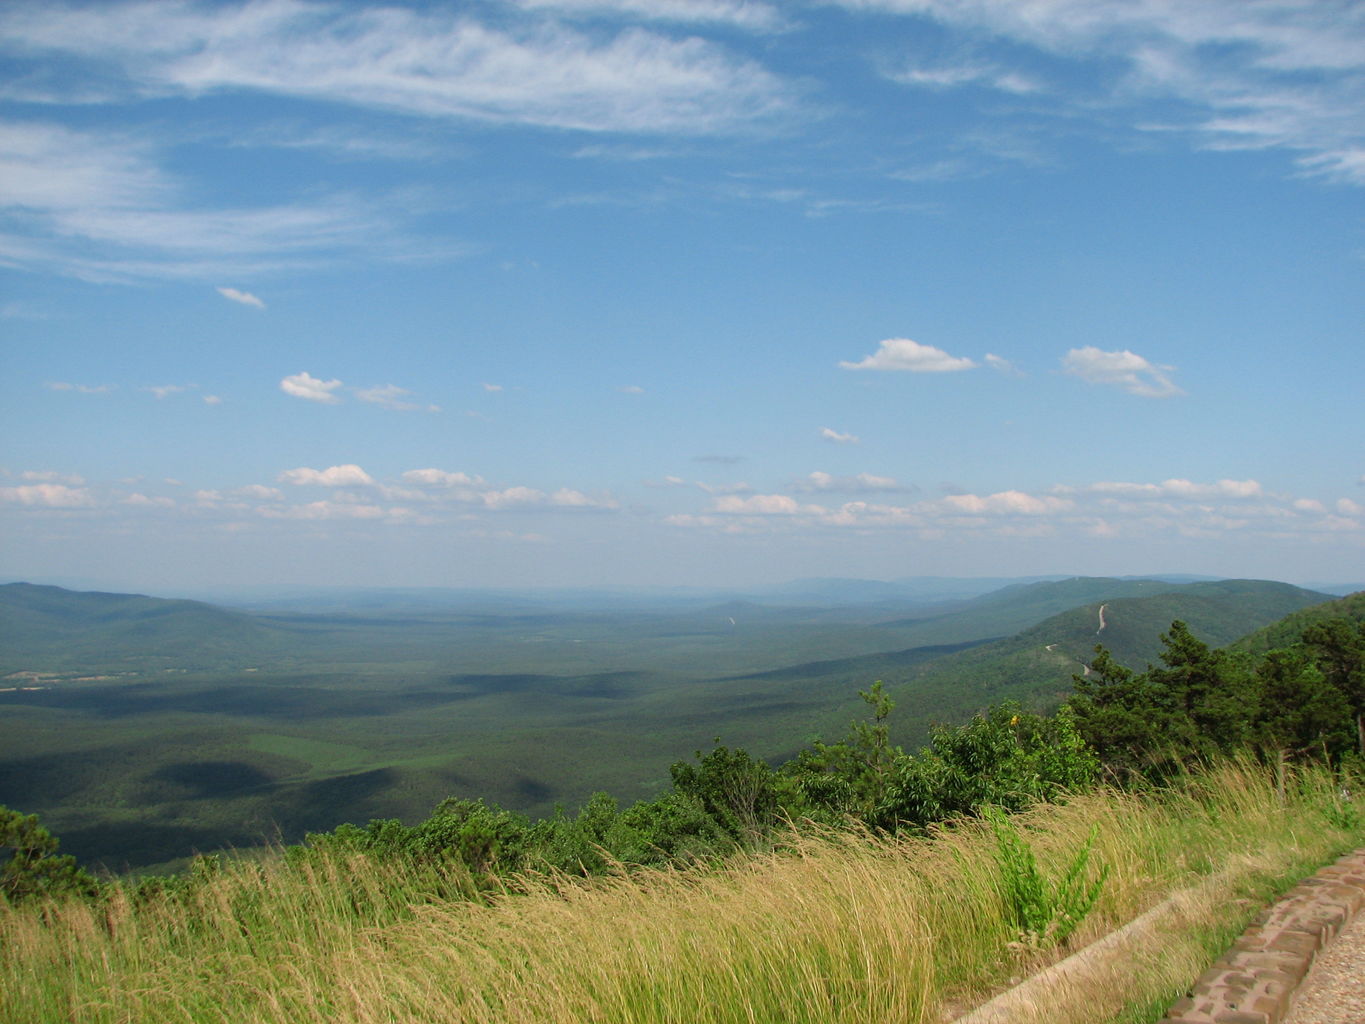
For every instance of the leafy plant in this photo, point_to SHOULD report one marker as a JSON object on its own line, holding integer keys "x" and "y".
{"x": 1045, "y": 913}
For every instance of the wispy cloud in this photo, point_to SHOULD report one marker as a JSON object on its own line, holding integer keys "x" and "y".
{"x": 165, "y": 390}
{"x": 244, "y": 298}
{"x": 1123, "y": 369}
{"x": 910, "y": 356}
{"x": 97, "y": 205}
{"x": 430, "y": 64}
{"x": 390, "y": 396}
{"x": 82, "y": 389}
{"x": 1286, "y": 75}
{"x": 745, "y": 14}
{"x": 305, "y": 385}
{"x": 861, "y": 483}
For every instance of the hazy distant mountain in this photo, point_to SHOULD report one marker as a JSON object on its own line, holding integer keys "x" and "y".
{"x": 83, "y": 629}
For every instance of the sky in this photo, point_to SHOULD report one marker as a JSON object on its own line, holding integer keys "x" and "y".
{"x": 680, "y": 292}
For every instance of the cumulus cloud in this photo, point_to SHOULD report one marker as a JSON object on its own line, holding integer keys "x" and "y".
{"x": 349, "y": 475}
{"x": 304, "y": 385}
{"x": 212, "y": 400}
{"x": 1123, "y": 369}
{"x": 631, "y": 389}
{"x": 47, "y": 496}
{"x": 244, "y": 298}
{"x": 1006, "y": 503}
{"x": 492, "y": 389}
{"x": 911, "y": 356}
{"x": 830, "y": 434}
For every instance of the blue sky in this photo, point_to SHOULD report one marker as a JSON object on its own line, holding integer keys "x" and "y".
{"x": 680, "y": 291}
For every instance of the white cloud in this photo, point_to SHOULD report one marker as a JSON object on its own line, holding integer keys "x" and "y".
{"x": 52, "y": 476}
{"x": 763, "y": 505}
{"x": 1180, "y": 488}
{"x": 304, "y": 385}
{"x": 735, "y": 488}
{"x": 1124, "y": 369}
{"x": 820, "y": 481}
{"x": 143, "y": 501}
{"x": 904, "y": 354}
{"x": 631, "y": 389}
{"x": 954, "y": 76}
{"x": 95, "y": 205}
{"x": 492, "y": 389}
{"x": 212, "y": 400}
{"x": 164, "y": 390}
{"x": 425, "y": 63}
{"x": 1006, "y": 503}
{"x": 746, "y": 14}
{"x": 349, "y": 475}
{"x": 1243, "y": 75}
{"x": 260, "y": 492}
{"x": 322, "y": 510}
{"x": 829, "y": 434}
{"x": 1001, "y": 365}
{"x": 391, "y": 396}
{"x": 1347, "y": 507}
{"x": 512, "y": 497}
{"x": 244, "y": 298}
{"x": 47, "y": 496}
{"x": 82, "y": 389}
{"x": 441, "y": 478}
{"x": 567, "y": 498}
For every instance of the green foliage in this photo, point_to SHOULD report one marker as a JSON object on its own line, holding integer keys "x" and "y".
{"x": 741, "y": 794}
{"x": 31, "y": 866}
{"x": 1303, "y": 700}
{"x": 1045, "y": 913}
{"x": 1006, "y": 757}
{"x": 849, "y": 778}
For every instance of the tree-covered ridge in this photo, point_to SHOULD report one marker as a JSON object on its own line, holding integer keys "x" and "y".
{"x": 1301, "y": 701}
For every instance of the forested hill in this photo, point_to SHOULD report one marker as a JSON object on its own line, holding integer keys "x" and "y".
{"x": 1287, "y": 630}
{"x": 1037, "y": 663}
{"x": 80, "y": 628}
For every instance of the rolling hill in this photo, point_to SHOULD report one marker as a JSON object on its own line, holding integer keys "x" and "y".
{"x": 67, "y": 629}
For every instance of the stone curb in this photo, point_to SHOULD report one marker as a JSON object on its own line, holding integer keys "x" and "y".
{"x": 1254, "y": 982}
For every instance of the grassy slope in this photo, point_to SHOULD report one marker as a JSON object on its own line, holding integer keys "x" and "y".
{"x": 835, "y": 930}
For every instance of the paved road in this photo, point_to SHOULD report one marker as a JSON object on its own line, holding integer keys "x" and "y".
{"x": 1334, "y": 992}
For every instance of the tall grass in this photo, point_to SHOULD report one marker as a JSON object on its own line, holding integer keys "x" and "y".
{"x": 829, "y": 927}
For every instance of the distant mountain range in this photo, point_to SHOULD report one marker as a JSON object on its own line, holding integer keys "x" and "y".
{"x": 142, "y": 727}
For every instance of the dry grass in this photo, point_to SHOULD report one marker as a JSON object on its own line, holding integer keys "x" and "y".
{"x": 832, "y": 928}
